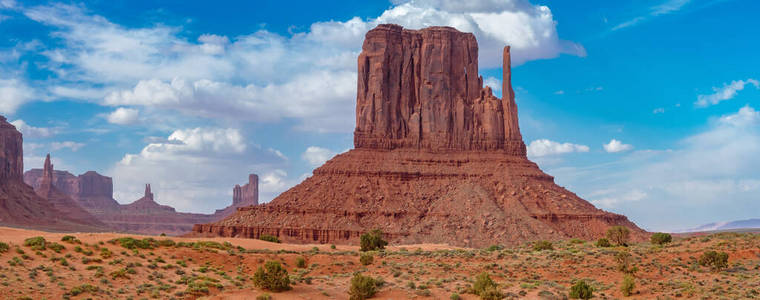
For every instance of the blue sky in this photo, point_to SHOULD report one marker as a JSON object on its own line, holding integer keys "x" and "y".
{"x": 645, "y": 108}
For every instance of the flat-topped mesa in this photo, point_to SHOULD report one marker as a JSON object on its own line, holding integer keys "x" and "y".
{"x": 420, "y": 89}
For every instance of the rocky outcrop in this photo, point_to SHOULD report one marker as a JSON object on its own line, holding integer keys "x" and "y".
{"x": 60, "y": 201}
{"x": 242, "y": 196}
{"x": 20, "y": 206}
{"x": 92, "y": 191}
{"x": 437, "y": 159}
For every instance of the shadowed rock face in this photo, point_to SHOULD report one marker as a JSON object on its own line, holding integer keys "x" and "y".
{"x": 11, "y": 152}
{"x": 437, "y": 159}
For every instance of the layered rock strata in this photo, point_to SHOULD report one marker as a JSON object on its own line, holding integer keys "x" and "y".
{"x": 242, "y": 196}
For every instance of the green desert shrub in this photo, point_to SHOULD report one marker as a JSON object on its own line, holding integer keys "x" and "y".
{"x": 603, "y": 242}
{"x": 36, "y": 243}
{"x": 625, "y": 262}
{"x": 132, "y": 243}
{"x": 455, "y": 296}
{"x": 70, "y": 239}
{"x": 56, "y": 247}
{"x": 372, "y": 240}
{"x": 301, "y": 262}
{"x": 619, "y": 235}
{"x": 264, "y": 296}
{"x": 269, "y": 238}
{"x": 661, "y": 238}
{"x": 542, "y": 245}
{"x": 362, "y": 287}
{"x": 4, "y": 247}
{"x": 714, "y": 260}
{"x": 485, "y": 287}
{"x": 85, "y": 288}
{"x": 366, "y": 258}
{"x": 628, "y": 285}
{"x": 581, "y": 290}
{"x": 272, "y": 276}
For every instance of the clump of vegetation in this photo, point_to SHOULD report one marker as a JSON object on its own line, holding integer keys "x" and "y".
{"x": 542, "y": 245}
{"x": 4, "y": 247}
{"x": 603, "y": 243}
{"x": 132, "y": 243}
{"x": 619, "y": 235}
{"x": 494, "y": 248}
{"x": 272, "y": 277}
{"x": 373, "y": 240}
{"x": 714, "y": 260}
{"x": 199, "y": 285}
{"x": 269, "y": 238}
{"x": 264, "y": 296}
{"x": 105, "y": 253}
{"x": 36, "y": 243}
{"x": 56, "y": 247}
{"x": 661, "y": 238}
{"x": 628, "y": 285}
{"x": 625, "y": 262}
{"x": 486, "y": 288}
{"x": 70, "y": 239}
{"x": 455, "y": 296}
{"x": 581, "y": 290}
{"x": 362, "y": 287}
{"x": 85, "y": 288}
{"x": 366, "y": 258}
{"x": 301, "y": 262}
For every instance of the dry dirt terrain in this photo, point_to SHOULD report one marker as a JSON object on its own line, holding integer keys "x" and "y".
{"x": 94, "y": 266}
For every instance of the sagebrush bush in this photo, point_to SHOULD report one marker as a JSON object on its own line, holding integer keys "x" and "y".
{"x": 36, "y": 243}
{"x": 366, "y": 258}
{"x": 56, "y": 247}
{"x": 661, "y": 238}
{"x": 362, "y": 287}
{"x": 272, "y": 277}
{"x": 264, "y": 296}
{"x": 625, "y": 262}
{"x": 714, "y": 260}
{"x": 628, "y": 285}
{"x": 619, "y": 235}
{"x": 269, "y": 238}
{"x": 301, "y": 262}
{"x": 581, "y": 290}
{"x": 542, "y": 245}
{"x": 372, "y": 240}
{"x": 4, "y": 247}
{"x": 70, "y": 239}
{"x": 603, "y": 242}
{"x": 485, "y": 287}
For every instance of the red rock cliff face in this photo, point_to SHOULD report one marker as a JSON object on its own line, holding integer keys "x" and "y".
{"x": 438, "y": 159}
{"x": 420, "y": 89}
{"x": 11, "y": 152}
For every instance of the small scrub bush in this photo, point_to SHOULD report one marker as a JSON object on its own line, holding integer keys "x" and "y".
{"x": 542, "y": 245}
{"x": 627, "y": 286}
{"x": 581, "y": 290}
{"x": 105, "y": 253}
{"x": 272, "y": 276}
{"x": 603, "y": 243}
{"x": 372, "y": 241}
{"x": 714, "y": 260}
{"x": 36, "y": 243}
{"x": 132, "y": 243}
{"x": 625, "y": 262}
{"x": 70, "y": 239}
{"x": 85, "y": 288}
{"x": 485, "y": 287}
{"x": 619, "y": 235}
{"x": 264, "y": 296}
{"x": 362, "y": 287}
{"x": 269, "y": 238}
{"x": 301, "y": 262}
{"x": 661, "y": 238}
{"x": 56, "y": 247}
{"x": 366, "y": 258}
{"x": 4, "y": 247}
{"x": 455, "y": 296}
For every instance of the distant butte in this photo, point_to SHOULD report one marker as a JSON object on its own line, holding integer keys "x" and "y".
{"x": 437, "y": 159}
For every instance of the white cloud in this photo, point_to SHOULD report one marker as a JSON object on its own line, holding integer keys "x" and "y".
{"x": 560, "y": 92}
{"x": 123, "y": 116}
{"x": 616, "y": 146}
{"x": 612, "y": 198}
{"x": 493, "y": 82}
{"x": 33, "y": 132}
{"x": 728, "y": 91}
{"x": 659, "y": 110}
{"x": 544, "y": 147}
{"x": 665, "y": 8}
{"x": 317, "y": 156}
{"x": 73, "y": 146}
{"x": 13, "y": 94}
{"x": 308, "y": 77}
{"x": 195, "y": 169}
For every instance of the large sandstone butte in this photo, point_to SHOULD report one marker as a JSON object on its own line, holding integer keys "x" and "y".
{"x": 20, "y": 206}
{"x": 94, "y": 193}
{"x": 437, "y": 159}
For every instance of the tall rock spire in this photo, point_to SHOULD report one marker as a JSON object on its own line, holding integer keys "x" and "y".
{"x": 511, "y": 124}
{"x": 148, "y": 193}
{"x": 47, "y": 171}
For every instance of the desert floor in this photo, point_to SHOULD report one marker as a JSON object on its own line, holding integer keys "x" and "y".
{"x": 193, "y": 268}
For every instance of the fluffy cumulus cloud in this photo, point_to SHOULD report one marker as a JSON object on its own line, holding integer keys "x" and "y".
{"x": 615, "y": 146}
{"x": 544, "y": 147}
{"x": 123, "y": 116}
{"x": 711, "y": 176}
{"x": 195, "y": 169}
{"x": 316, "y": 156}
{"x": 30, "y": 131}
{"x": 13, "y": 94}
{"x": 727, "y": 92}
{"x": 308, "y": 76}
